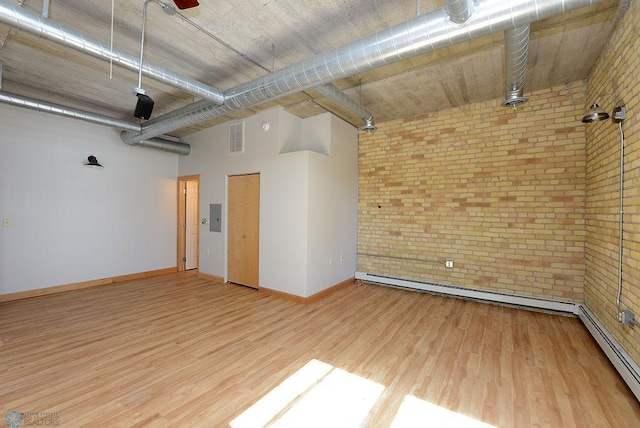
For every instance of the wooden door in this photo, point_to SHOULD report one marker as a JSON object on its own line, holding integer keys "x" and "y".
{"x": 188, "y": 226}
{"x": 243, "y": 229}
{"x": 192, "y": 226}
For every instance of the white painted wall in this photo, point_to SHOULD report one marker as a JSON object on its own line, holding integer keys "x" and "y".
{"x": 284, "y": 164}
{"x": 283, "y": 190}
{"x": 70, "y": 223}
{"x": 332, "y": 206}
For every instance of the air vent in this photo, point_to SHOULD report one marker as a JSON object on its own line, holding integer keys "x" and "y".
{"x": 236, "y": 137}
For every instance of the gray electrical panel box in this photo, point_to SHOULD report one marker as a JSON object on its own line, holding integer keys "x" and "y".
{"x": 215, "y": 217}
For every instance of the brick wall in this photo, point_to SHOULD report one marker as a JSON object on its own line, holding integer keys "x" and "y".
{"x": 500, "y": 192}
{"x": 617, "y": 72}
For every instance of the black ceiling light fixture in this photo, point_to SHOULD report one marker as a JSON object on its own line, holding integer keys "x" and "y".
{"x": 144, "y": 105}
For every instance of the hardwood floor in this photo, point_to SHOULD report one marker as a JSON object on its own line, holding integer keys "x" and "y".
{"x": 178, "y": 350}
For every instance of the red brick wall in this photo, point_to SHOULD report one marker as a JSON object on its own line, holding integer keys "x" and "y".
{"x": 500, "y": 192}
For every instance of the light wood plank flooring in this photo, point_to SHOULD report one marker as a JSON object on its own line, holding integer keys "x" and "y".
{"x": 177, "y": 350}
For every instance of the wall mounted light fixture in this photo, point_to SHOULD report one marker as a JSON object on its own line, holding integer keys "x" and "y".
{"x": 92, "y": 162}
{"x": 596, "y": 113}
{"x": 619, "y": 113}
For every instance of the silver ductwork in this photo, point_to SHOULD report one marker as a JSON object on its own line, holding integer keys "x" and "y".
{"x": 164, "y": 145}
{"x": 334, "y": 94}
{"x": 98, "y": 119}
{"x": 459, "y": 10}
{"x": 60, "y": 110}
{"x": 419, "y": 35}
{"x": 27, "y": 21}
{"x": 42, "y": 27}
{"x": 516, "y": 44}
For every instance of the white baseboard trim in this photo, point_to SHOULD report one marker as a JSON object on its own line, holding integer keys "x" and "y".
{"x": 624, "y": 364}
{"x": 621, "y": 360}
{"x": 509, "y": 299}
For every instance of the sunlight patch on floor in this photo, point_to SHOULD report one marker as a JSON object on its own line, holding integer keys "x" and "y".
{"x": 414, "y": 412}
{"x": 265, "y": 409}
{"x": 317, "y": 395}
{"x": 341, "y": 399}
{"x": 320, "y": 395}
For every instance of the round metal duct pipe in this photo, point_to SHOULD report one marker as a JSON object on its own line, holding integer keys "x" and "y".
{"x": 516, "y": 46}
{"x": 98, "y": 119}
{"x": 424, "y": 33}
{"x": 27, "y": 21}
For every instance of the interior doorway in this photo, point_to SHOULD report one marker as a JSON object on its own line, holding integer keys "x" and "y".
{"x": 243, "y": 229}
{"x": 188, "y": 222}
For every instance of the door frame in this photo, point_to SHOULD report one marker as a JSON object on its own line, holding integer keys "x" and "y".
{"x": 180, "y": 244}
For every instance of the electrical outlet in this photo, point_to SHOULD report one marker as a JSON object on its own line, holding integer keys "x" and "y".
{"x": 626, "y": 317}
{"x": 6, "y": 222}
{"x": 448, "y": 264}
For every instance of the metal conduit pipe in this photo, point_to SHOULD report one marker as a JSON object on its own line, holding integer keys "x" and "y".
{"x": 516, "y": 45}
{"x": 416, "y": 36}
{"x": 98, "y": 119}
{"x": 459, "y": 10}
{"x": 24, "y": 20}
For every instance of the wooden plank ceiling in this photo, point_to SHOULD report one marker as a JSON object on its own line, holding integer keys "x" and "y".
{"x": 277, "y": 33}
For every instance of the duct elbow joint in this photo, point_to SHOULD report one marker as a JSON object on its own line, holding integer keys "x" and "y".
{"x": 127, "y": 137}
{"x": 176, "y": 147}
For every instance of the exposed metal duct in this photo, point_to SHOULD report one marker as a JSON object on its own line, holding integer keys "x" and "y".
{"x": 98, "y": 119}
{"x": 164, "y": 145}
{"x": 331, "y": 92}
{"x": 459, "y": 10}
{"x": 516, "y": 44}
{"x": 60, "y": 110}
{"x": 419, "y": 35}
{"x": 24, "y": 20}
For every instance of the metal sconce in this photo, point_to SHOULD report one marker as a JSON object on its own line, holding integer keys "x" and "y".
{"x": 92, "y": 162}
{"x": 596, "y": 114}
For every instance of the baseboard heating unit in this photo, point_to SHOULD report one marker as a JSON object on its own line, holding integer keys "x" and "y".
{"x": 621, "y": 360}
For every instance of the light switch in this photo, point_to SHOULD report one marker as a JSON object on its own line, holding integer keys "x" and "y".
{"x": 6, "y": 222}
